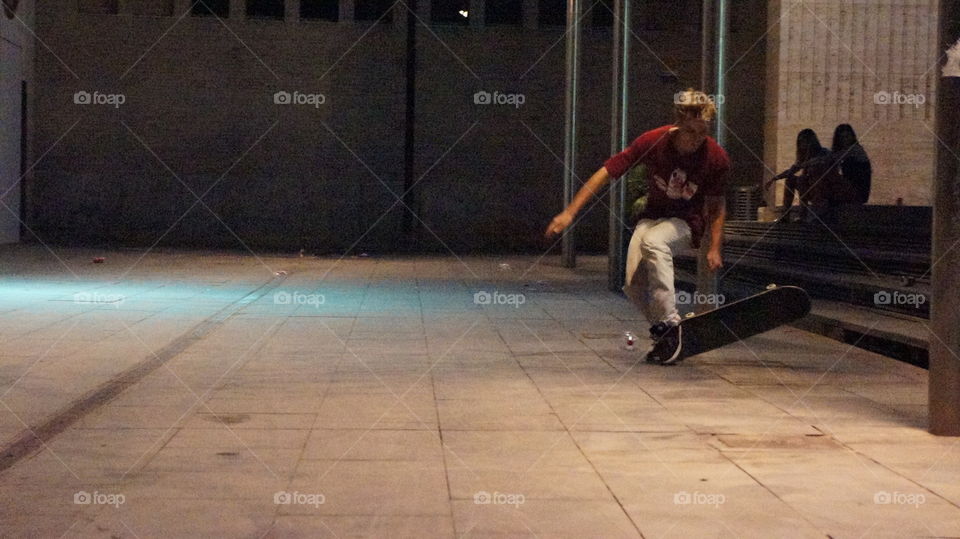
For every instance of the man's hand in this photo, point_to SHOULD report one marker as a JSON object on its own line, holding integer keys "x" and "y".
{"x": 714, "y": 259}
{"x": 559, "y": 223}
{"x": 564, "y": 218}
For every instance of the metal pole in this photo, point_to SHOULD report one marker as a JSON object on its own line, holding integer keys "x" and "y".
{"x": 618, "y": 140}
{"x": 720, "y": 83}
{"x": 707, "y": 46}
{"x": 712, "y": 81}
{"x": 569, "y": 255}
{"x": 945, "y": 312}
{"x": 410, "y": 117}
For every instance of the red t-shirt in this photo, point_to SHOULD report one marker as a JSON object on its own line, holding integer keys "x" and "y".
{"x": 676, "y": 184}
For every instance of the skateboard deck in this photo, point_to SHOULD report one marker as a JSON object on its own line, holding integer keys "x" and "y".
{"x": 775, "y": 306}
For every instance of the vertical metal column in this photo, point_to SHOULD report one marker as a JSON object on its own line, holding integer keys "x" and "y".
{"x": 238, "y": 11}
{"x": 945, "y": 312}
{"x": 291, "y": 11}
{"x": 720, "y": 66}
{"x": 618, "y": 140}
{"x": 713, "y": 80}
{"x": 530, "y": 14}
{"x": 476, "y": 14}
{"x": 569, "y": 255}
{"x": 26, "y": 179}
{"x": 408, "y": 224}
{"x": 707, "y": 46}
{"x": 347, "y": 10}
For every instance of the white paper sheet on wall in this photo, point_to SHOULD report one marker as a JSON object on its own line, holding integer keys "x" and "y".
{"x": 952, "y": 67}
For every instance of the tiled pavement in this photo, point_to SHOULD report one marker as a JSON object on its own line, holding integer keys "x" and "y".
{"x": 376, "y": 397}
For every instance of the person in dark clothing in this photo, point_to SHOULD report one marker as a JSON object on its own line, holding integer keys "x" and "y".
{"x": 810, "y": 177}
{"x": 854, "y": 165}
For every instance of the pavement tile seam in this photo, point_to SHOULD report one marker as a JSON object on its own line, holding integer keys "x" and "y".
{"x": 649, "y": 381}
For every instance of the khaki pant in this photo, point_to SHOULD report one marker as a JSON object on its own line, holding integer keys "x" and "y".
{"x": 650, "y": 267}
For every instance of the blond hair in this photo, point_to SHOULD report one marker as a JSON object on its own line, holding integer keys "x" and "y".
{"x": 692, "y": 103}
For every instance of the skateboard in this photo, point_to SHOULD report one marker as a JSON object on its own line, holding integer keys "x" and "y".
{"x": 775, "y": 306}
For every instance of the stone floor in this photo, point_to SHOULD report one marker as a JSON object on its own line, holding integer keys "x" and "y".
{"x": 432, "y": 397}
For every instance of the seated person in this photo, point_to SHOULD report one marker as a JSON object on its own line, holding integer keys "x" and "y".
{"x": 855, "y": 167}
{"x": 810, "y": 177}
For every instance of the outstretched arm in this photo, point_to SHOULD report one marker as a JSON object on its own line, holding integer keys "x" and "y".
{"x": 792, "y": 171}
{"x": 828, "y": 158}
{"x": 614, "y": 167}
{"x": 596, "y": 182}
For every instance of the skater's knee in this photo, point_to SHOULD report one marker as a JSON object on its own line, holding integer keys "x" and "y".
{"x": 653, "y": 245}
{"x": 634, "y": 293}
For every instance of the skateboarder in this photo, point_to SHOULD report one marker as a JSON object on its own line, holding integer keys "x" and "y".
{"x": 686, "y": 171}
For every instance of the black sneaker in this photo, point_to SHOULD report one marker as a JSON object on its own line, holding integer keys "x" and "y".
{"x": 658, "y": 330}
{"x": 656, "y": 333}
{"x": 667, "y": 349}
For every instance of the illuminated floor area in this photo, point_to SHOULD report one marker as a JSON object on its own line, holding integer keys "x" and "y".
{"x": 431, "y": 397}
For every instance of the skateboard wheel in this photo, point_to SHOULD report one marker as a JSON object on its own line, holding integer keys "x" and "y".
{"x": 771, "y": 286}
{"x": 690, "y": 315}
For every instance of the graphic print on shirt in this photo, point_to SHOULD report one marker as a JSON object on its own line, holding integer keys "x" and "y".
{"x": 678, "y": 186}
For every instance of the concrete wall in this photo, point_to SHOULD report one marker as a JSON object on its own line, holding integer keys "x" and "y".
{"x": 16, "y": 67}
{"x": 834, "y": 61}
{"x": 746, "y": 91}
{"x": 199, "y": 115}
